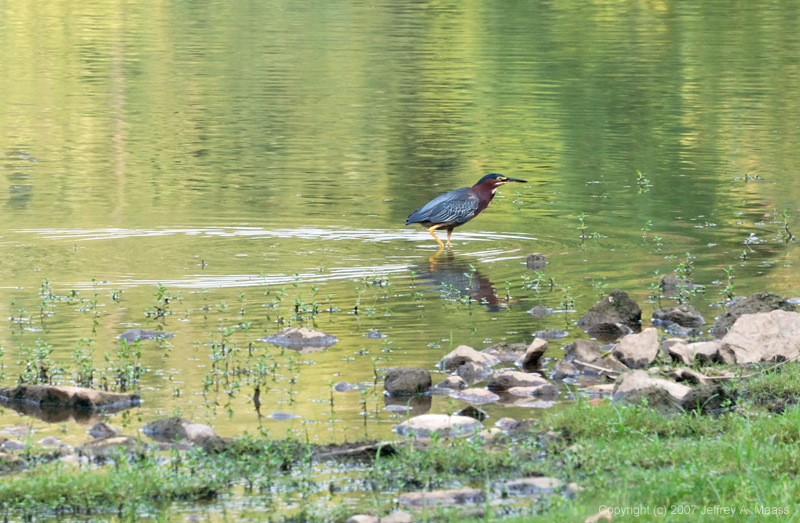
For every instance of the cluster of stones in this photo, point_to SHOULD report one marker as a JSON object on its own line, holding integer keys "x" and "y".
{"x": 762, "y": 327}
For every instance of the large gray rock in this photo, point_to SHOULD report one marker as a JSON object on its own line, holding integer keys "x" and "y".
{"x": 170, "y": 430}
{"x": 464, "y": 354}
{"x": 406, "y": 381}
{"x": 544, "y": 389}
{"x": 766, "y": 336}
{"x": 534, "y": 353}
{"x": 564, "y": 369}
{"x": 507, "y": 352}
{"x": 472, "y": 373}
{"x": 582, "y": 350}
{"x": 507, "y": 379}
{"x": 680, "y": 351}
{"x": 617, "y": 307}
{"x": 683, "y": 315}
{"x": 475, "y": 396}
{"x": 67, "y": 397}
{"x": 755, "y": 303}
{"x": 638, "y": 350}
{"x": 446, "y": 426}
{"x": 640, "y": 379}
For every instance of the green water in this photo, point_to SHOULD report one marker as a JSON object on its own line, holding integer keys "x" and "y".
{"x": 254, "y": 156}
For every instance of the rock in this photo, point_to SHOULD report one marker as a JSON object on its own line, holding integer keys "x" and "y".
{"x": 673, "y": 329}
{"x": 706, "y": 351}
{"x": 444, "y": 498}
{"x": 446, "y": 426}
{"x": 473, "y": 412}
{"x": 102, "y": 430}
{"x": 677, "y": 350}
{"x": 375, "y": 334}
{"x": 398, "y": 516}
{"x": 708, "y": 399}
{"x": 134, "y": 335}
{"x": 282, "y": 416}
{"x": 472, "y": 373}
{"x": 67, "y": 397}
{"x": 540, "y": 311}
{"x": 49, "y": 441}
{"x": 689, "y": 376}
{"x": 563, "y": 369}
{"x": 536, "y": 262}
{"x": 640, "y": 379}
{"x": 636, "y": 351}
{"x": 13, "y": 444}
{"x": 406, "y": 381}
{"x": 507, "y": 352}
{"x": 11, "y": 463}
{"x": 475, "y": 396}
{"x": 551, "y": 334}
{"x": 20, "y": 430}
{"x": 451, "y": 383}
{"x": 755, "y": 303}
{"x": 170, "y": 430}
{"x": 343, "y": 386}
{"x": 355, "y": 451}
{"x": 617, "y": 307}
{"x": 671, "y": 286}
{"x": 611, "y": 362}
{"x": 683, "y": 315}
{"x": 105, "y": 447}
{"x": 766, "y": 336}
{"x": 600, "y": 389}
{"x": 362, "y": 518}
{"x": 505, "y": 424}
{"x": 463, "y": 354}
{"x": 532, "y": 486}
{"x": 302, "y": 339}
{"x": 545, "y": 389}
{"x": 608, "y": 332}
{"x": 534, "y": 353}
{"x": 509, "y": 378}
{"x": 490, "y": 434}
{"x": 582, "y": 350}
{"x": 654, "y": 398}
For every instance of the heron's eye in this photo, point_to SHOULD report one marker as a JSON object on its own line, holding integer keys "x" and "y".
{"x": 502, "y": 179}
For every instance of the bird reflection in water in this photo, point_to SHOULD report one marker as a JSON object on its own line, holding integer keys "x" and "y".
{"x": 457, "y": 279}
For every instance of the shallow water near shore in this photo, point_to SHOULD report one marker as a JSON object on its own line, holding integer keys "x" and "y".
{"x": 224, "y": 173}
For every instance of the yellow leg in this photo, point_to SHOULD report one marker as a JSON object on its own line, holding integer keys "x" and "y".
{"x": 430, "y": 230}
{"x": 449, "y": 232}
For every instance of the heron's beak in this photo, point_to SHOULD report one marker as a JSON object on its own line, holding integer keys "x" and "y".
{"x": 509, "y": 180}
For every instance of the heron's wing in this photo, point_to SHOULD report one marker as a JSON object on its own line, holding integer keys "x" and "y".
{"x": 453, "y": 207}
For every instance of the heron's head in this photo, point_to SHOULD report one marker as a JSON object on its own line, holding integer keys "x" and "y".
{"x": 494, "y": 180}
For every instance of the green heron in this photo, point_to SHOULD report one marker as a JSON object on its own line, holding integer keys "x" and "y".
{"x": 455, "y": 208}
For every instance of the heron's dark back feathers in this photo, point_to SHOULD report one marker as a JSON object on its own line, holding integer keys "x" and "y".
{"x": 455, "y": 207}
